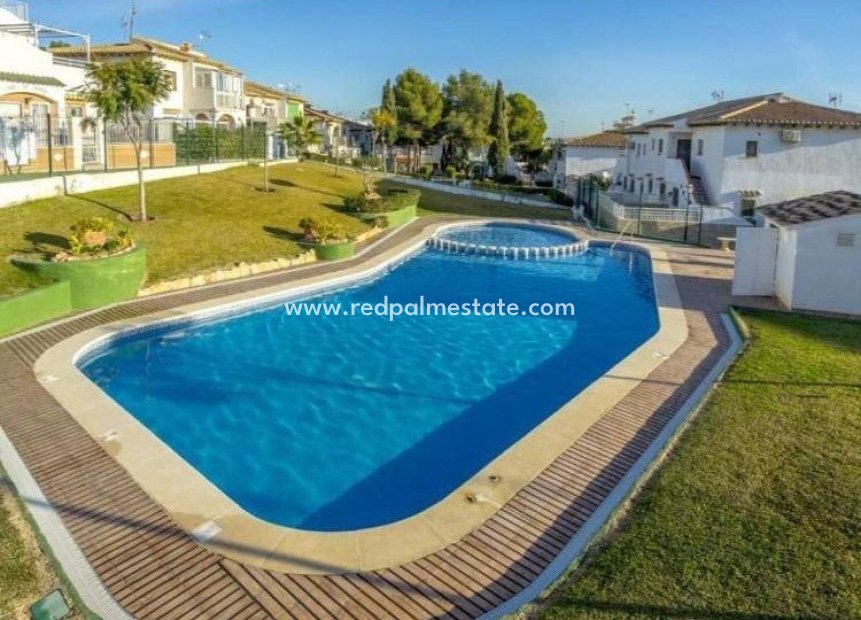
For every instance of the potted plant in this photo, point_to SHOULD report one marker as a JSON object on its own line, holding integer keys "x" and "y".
{"x": 328, "y": 238}
{"x": 102, "y": 265}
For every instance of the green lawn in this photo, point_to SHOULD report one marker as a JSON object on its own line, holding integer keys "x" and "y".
{"x": 214, "y": 220}
{"x": 757, "y": 514}
{"x": 434, "y": 203}
{"x": 203, "y": 222}
{"x": 24, "y": 573}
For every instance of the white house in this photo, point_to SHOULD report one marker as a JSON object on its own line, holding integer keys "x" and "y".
{"x": 736, "y": 154}
{"x": 808, "y": 254}
{"x": 34, "y": 97}
{"x": 592, "y": 154}
{"x": 202, "y": 88}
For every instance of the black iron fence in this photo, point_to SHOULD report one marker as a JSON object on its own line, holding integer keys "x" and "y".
{"x": 45, "y": 145}
{"x": 655, "y": 221}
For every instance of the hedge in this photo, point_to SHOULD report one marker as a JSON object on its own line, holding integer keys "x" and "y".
{"x": 392, "y": 200}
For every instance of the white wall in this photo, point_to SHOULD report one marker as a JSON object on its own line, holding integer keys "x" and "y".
{"x": 585, "y": 160}
{"x": 755, "y": 261}
{"x": 709, "y": 165}
{"x": 828, "y": 277}
{"x": 824, "y": 160}
{"x": 13, "y": 193}
{"x": 784, "y": 275}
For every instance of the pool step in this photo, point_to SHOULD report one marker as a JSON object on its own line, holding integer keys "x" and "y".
{"x": 514, "y": 252}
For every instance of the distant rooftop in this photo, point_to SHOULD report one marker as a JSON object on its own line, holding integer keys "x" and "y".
{"x": 769, "y": 109}
{"x": 611, "y": 139}
{"x": 256, "y": 88}
{"x": 813, "y": 208}
{"x": 143, "y": 45}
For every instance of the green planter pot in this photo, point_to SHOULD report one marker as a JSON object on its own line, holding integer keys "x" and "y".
{"x": 393, "y": 218}
{"x": 335, "y": 251}
{"x": 94, "y": 282}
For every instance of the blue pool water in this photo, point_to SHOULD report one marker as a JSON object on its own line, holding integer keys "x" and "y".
{"x": 507, "y": 235}
{"x": 343, "y": 422}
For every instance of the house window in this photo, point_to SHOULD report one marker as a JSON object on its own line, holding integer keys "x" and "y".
{"x": 653, "y": 145}
{"x": 700, "y": 147}
{"x": 202, "y": 78}
{"x": 751, "y": 148}
{"x": 662, "y": 189}
{"x": 660, "y": 146}
{"x": 650, "y": 186}
{"x": 748, "y": 205}
{"x": 170, "y": 76}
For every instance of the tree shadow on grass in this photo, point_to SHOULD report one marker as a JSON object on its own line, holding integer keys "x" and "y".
{"x": 316, "y": 190}
{"x": 44, "y": 243}
{"x": 283, "y": 234}
{"x": 104, "y": 205}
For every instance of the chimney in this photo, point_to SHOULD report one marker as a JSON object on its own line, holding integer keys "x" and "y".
{"x": 185, "y": 47}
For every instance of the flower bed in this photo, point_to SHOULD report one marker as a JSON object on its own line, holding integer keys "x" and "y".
{"x": 393, "y": 208}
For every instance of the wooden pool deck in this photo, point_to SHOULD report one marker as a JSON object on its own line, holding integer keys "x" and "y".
{"x": 153, "y": 569}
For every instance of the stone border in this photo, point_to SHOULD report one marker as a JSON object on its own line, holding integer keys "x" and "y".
{"x": 219, "y": 523}
{"x": 67, "y": 553}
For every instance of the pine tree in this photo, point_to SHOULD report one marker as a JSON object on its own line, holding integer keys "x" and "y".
{"x": 500, "y": 148}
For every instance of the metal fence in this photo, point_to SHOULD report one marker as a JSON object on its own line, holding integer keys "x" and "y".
{"x": 655, "y": 221}
{"x": 44, "y": 145}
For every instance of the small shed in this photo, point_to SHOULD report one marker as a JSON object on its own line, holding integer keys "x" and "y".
{"x": 807, "y": 254}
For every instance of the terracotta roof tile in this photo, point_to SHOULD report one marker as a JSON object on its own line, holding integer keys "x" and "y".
{"x": 794, "y": 113}
{"x": 813, "y": 208}
{"x": 609, "y": 138}
{"x": 28, "y": 78}
{"x": 770, "y": 109}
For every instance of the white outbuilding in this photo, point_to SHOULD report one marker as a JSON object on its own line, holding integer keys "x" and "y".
{"x": 807, "y": 254}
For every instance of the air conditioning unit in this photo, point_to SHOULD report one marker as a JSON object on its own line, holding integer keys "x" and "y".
{"x": 790, "y": 135}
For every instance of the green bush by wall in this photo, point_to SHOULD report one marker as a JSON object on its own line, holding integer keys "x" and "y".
{"x": 393, "y": 218}
{"x": 96, "y": 282}
{"x": 36, "y": 306}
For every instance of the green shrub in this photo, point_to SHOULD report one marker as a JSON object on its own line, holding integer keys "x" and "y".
{"x": 323, "y": 231}
{"x": 561, "y": 198}
{"x": 91, "y": 236}
{"x": 390, "y": 201}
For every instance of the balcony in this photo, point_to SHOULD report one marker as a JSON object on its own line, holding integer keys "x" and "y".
{"x": 206, "y": 98}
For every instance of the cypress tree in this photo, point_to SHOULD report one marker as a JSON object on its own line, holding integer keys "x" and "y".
{"x": 500, "y": 148}
{"x": 389, "y": 105}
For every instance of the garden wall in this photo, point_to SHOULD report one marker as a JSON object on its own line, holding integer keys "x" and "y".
{"x": 17, "y": 192}
{"x": 36, "y": 306}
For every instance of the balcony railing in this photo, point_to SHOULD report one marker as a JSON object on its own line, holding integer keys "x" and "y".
{"x": 18, "y": 9}
{"x": 70, "y": 62}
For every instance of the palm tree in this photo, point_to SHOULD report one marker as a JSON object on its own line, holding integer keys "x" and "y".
{"x": 299, "y": 133}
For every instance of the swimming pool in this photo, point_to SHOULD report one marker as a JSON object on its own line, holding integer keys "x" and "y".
{"x": 335, "y": 423}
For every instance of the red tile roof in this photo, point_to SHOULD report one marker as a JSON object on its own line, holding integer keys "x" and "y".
{"x": 610, "y": 138}
{"x": 770, "y": 109}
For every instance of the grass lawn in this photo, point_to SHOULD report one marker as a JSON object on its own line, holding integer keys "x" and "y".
{"x": 215, "y": 220}
{"x": 757, "y": 513}
{"x": 25, "y": 575}
{"x": 203, "y": 222}
{"x": 434, "y": 203}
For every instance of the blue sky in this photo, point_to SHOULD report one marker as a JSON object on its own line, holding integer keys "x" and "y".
{"x": 581, "y": 61}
